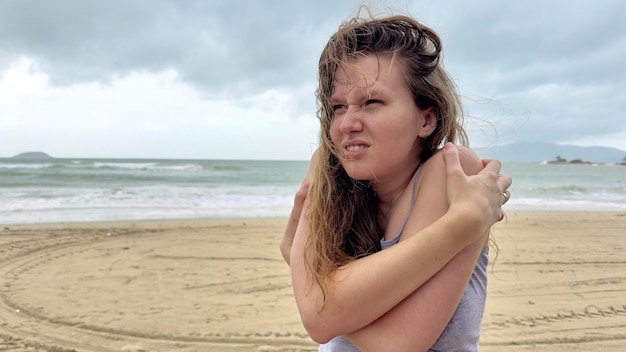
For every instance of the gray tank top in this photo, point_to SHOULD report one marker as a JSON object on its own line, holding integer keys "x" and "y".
{"x": 462, "y": 333}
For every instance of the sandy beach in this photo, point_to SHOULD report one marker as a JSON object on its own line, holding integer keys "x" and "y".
{"x": 558, "y": 283}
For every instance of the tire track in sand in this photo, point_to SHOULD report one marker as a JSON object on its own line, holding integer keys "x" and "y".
{"x": 29, "y": 324}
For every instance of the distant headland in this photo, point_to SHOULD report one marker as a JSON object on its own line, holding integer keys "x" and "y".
{"x": 545, "y": 152}
{"x": 561, "y": 160}
{"x": 33, "y": 155}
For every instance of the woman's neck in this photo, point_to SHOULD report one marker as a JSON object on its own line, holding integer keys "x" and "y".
{"x": 391, "y": 194}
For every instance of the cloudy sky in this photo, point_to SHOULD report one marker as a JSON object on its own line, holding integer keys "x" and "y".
{"x": 235, "y": 79}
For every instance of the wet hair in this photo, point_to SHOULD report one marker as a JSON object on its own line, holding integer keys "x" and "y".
{"x": 343, "y": 212}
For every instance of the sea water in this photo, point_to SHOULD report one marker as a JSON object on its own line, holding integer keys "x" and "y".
{"x": 53, "y": 190}
{"x": 580, "y": 187}
{"x": 48, "y": 190}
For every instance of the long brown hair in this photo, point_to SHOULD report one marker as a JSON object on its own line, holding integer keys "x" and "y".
{"x": 343, "y": 211}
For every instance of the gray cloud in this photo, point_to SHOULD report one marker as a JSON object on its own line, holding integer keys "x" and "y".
{"x": 553, "y": 69}
{"x": 217, "y": 45}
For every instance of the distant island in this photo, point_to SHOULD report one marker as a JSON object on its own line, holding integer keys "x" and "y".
{"x": 561, "y": 160}
{"x": 544, "y": 152}
{"x": 32, "y": 155}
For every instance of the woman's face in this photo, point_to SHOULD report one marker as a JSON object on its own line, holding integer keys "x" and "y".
{"x": 376, "y": 124}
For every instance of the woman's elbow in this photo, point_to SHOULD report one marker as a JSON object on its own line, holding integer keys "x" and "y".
{"x": 318, "y": 329}
{"x": 320, "y": 339}
{"x": 285, "y": 250}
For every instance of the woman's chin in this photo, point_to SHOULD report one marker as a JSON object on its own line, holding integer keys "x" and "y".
{"x": 358, "y": 173}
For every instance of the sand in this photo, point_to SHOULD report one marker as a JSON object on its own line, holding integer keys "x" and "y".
{"x": 558, "y": 284}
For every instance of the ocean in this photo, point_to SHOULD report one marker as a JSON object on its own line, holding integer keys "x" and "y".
{"x": 59, "y": 190}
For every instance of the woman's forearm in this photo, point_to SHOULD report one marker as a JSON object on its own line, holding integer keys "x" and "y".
{"x": 416, "y": 322}
{"x": 365, "y": 289}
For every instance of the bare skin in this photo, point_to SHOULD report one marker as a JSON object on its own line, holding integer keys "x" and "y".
{"x": 467, "y": 196}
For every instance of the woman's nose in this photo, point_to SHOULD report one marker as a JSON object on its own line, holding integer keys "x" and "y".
{"x": 351, "y": 120}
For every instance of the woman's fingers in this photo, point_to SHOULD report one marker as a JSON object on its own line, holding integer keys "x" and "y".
{"x": 507, "y": 196}
{"x": 298, "y": 204}
{"x": 453, "y": 163}
{"x": 482, "y": 194}
{"x": 455, "y": 175}
{"x": 504, "y": 182}
{"x": 292, "y": 223}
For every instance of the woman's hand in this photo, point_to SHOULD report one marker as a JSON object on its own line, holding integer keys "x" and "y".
{"x": 296, "y": 211}
{"x": 294, "y": 218}
{"x": 480, "y": 197}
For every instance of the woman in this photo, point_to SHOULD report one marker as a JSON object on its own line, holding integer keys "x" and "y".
{"x": 379, "y": 181}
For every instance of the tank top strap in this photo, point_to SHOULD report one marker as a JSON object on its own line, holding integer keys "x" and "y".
{"x": 387, "y": 243}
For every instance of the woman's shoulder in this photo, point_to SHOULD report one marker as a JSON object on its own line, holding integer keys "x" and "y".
{"x": 430, "y": 199}
{"x": 470, "y": 162}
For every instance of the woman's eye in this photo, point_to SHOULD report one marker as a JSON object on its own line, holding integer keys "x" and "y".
{"x": 372, "y": 101}
{"x": 338, "y": 107}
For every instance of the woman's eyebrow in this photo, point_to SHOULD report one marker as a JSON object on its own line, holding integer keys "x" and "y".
{"x": 374, "y": 93}
{"x": 362, "y": 93}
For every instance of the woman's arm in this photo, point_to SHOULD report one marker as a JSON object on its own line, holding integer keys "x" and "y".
{"x": 359, "y": 291}
{"x": 292, "y": 223}
{"x": 298, "y": 203}
{"x": 416, "y": 322}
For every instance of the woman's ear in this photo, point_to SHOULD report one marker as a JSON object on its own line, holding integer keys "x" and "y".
{"x": 429, "y": 121}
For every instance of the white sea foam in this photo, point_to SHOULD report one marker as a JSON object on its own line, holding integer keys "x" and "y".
{"x": 92, "y": 190}
{"x": 25, "y": 166}
{"x": 124, "y": 165}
